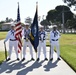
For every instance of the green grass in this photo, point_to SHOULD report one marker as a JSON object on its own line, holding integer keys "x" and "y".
{"x": 68, "y": 53}
{"x": 2, "y": 35}
{"x": 68, "y": 49}
{"x": 2, "y": 57}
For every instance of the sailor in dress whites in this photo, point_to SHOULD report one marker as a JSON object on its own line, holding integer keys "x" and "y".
{"x": 12, "y": 41}
{"x": 26, "y": 34}
{"x": 42, "y": 43}
{"x": 54, "y": 40}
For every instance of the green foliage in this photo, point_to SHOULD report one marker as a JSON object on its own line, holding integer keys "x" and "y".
{"x": 70, "y": 2}
{"x": 52, "y": 15}
{"x": 55, "y": 15}
{"x": 45, "y": 23}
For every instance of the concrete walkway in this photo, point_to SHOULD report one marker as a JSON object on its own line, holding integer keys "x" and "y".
{"x": 42, "y": 67}
{"x": 2, "y": 45}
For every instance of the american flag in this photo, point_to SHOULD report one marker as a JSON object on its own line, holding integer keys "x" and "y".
{"x": 18, "y": 30}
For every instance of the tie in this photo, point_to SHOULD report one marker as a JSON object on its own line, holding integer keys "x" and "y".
{"x": 12, "y": 32}
{"x": 55, "y": 34}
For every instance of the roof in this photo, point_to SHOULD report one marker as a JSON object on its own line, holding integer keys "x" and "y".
{"x": 9, "y": 23}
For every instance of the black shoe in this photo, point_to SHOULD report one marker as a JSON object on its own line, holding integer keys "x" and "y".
{"x": 58, "y": 59}
{"x": 38, "y": 59}
{"x": 8, "y": 59}
{"x": 32, "y": 59}
{"x": 46, "y": 59}
{"x": 51, "y": 59}
{"x": 23, "y": 59}
{"x": 18, "y": 59}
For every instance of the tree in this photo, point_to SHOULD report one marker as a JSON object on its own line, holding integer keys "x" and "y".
{"x": 51, "y": 16}
{"x": 8, "y": 19}
{"x": 1, "y": 24}
{"x": 68, "y": 15}
{"x": 70, "y": 2}
{"x": 56, "y": 15}
{"x": 45, "y": 23}
{"x": 28, "y": 20}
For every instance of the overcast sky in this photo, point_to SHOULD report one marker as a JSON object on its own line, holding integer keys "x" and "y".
{"x": 8, "y": 8}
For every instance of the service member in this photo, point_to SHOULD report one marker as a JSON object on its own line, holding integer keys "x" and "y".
{"x": 26, "y": 34}
{"x": 12, "y": 41}
{"x": 42, "y": 43}
{"x": 54, "y": 40}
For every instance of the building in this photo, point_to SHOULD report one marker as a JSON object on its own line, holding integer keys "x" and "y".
{"x": 6, "y": 26}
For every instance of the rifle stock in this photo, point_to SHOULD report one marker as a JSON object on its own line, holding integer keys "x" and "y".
{"x": 5, "y": 51}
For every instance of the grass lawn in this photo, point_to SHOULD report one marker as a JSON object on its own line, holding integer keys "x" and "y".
{"x": 2, "y": 35}
{"x": 2, "y": 56}
{"x": 68, "y": 49}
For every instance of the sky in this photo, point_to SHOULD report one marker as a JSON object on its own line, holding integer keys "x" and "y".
{"x": 8, "y": 8}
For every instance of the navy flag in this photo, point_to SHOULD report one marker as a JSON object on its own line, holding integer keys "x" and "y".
{"x": 34, "y": 38}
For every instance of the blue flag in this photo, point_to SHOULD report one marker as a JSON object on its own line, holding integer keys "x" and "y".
{"x": 34, "y": 38}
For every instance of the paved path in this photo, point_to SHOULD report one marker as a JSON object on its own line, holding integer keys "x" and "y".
{"x": 42, "y": 67}
{"x": 2, "y": 45}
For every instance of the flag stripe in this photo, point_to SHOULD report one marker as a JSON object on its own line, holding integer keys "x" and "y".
{"x": 18, "y": 27}
{"x": 18, "y": 32}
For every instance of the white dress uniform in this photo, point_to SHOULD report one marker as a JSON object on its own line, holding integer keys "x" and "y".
{"x": 25, "y": 34}
{"x": 12, "y": 42}
{"x": 54, "y": 40}
{"x": 42, "y": 43}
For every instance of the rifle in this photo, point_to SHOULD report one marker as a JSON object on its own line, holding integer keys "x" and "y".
{"x": 5, "y": 51}
{"x": 50, "y": 52}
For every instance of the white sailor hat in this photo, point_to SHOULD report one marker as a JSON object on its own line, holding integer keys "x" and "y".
{"x": 27, "y": 24}
{"x": 41, "y": 26}
{"x": 13, "y": 24}
{"x": 54, "y": 26}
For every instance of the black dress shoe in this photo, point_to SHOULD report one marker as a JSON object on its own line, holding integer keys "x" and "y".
{"x": 58, "y": 59}
{"x": 32, "y": 59}
{"x": 23, "y": 59}
{"x": 8, "y": 59}
{"x": 51, "y": 59}
{"x": 38, "y": 59}
{"x": 18, "y": 59}
{"x": 46, "y": 59}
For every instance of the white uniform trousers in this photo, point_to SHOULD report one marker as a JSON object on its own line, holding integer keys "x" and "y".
{"x": 27, "y": 43}
{"x": 55, "y": 44}
{"x": 11, "y": 45}
{"x": 42, "y": 45}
